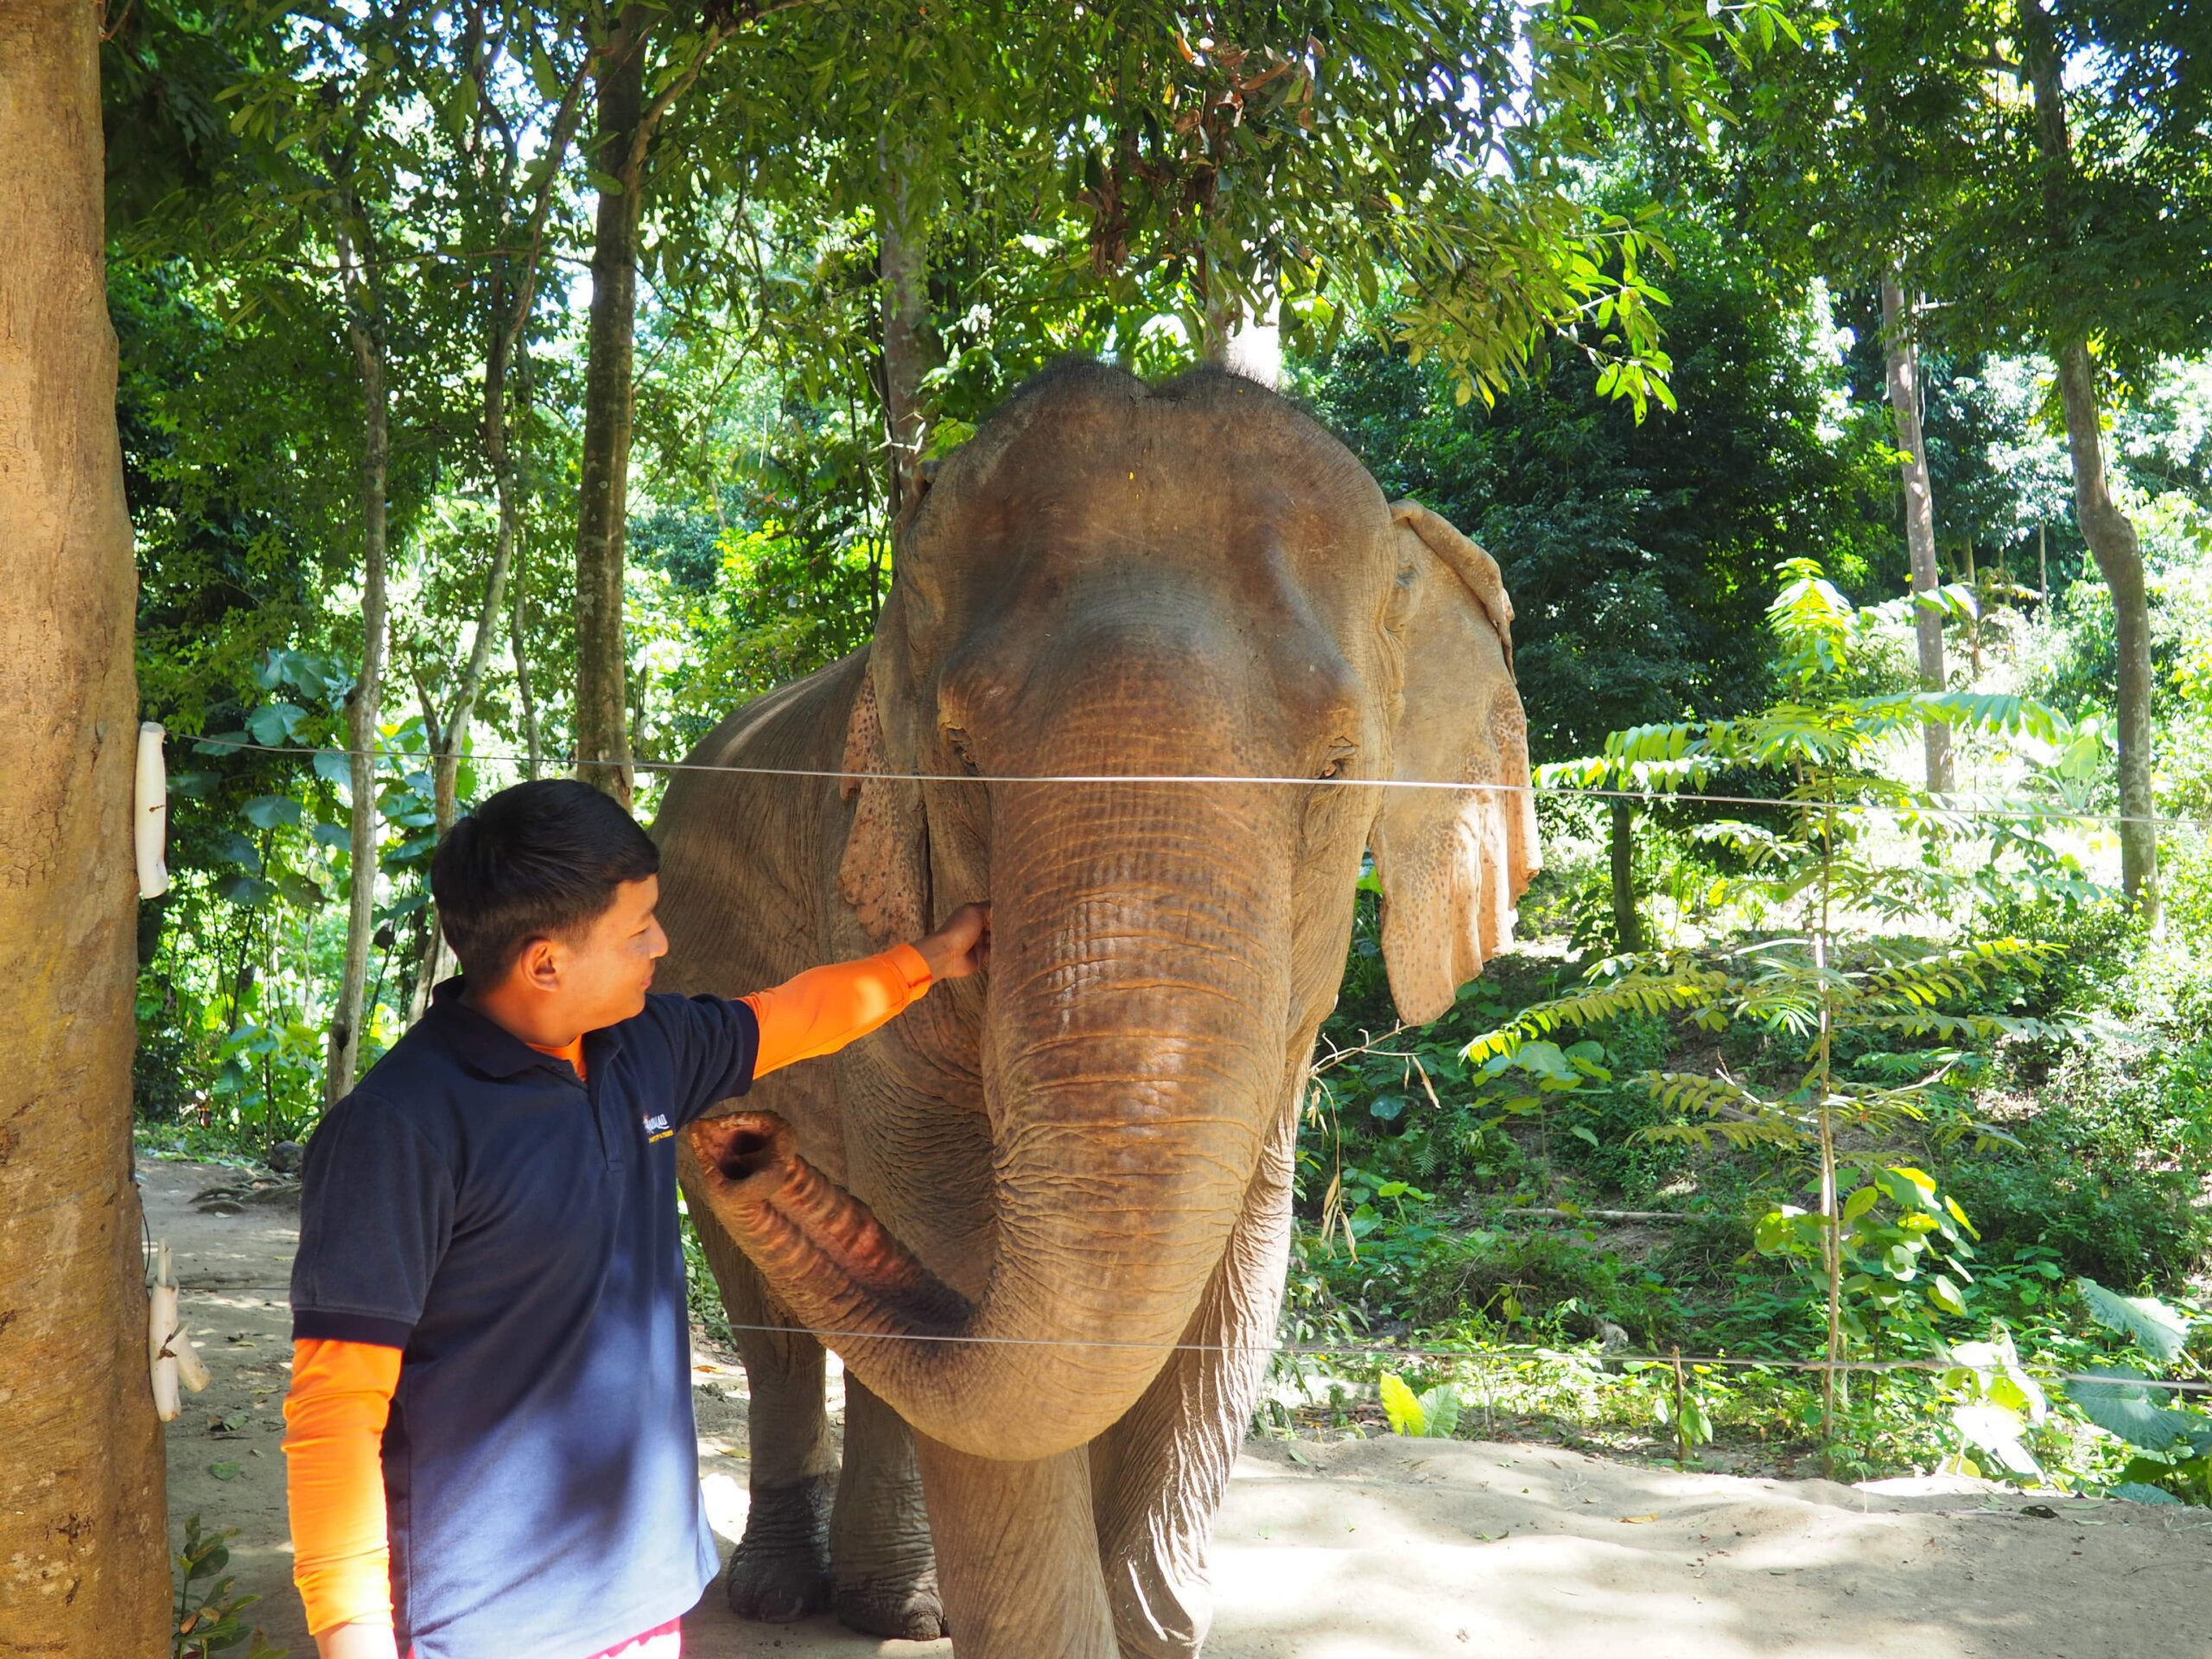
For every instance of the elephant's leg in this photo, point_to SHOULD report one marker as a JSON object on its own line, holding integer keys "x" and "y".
{"x": 1161, "y": 1472}
{"x": 1017, "y": 1554}
{"x": 780, "y": 1570}
{"x": 883, "y": 1572}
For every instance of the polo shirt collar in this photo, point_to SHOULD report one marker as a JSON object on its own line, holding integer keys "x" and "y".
{"x": 480, "y": 1043}
{"x": 487, "y": 1047}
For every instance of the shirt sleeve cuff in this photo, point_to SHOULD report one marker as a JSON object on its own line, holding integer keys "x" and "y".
{"x": 912, "y": 967}
{"x": 312, "y": 1324}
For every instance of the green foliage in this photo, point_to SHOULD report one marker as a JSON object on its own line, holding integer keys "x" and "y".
{"x": 1682, "y": 1407}
{"x": 1904, "y": 1253}
{"x": 1898, "y": 1013}
{"x": 1432, "y": 1415}
{"x": 2174, "y": 1444}
{"x": 702, "y": 1292}
{"x": 206, "y": 1612}
{"x": 1635, "y": 549}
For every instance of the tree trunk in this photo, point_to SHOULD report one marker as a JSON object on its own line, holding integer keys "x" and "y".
{"x": 1240, "y": 342}
{"x": 2109, "y": 531}
{"x": 517, "y": 643}
{"x": 1901, "y": 371}
{"x": 1627, "y": 921}
{"x": 83, "y": 1536}
{"x": 365, "y": 330}
{"x": 505, "y": 325}
{"x": 2110, "y": 537}
{"x": 1973, "y": 622}
{"x": 602, "y": 722}
{"x": 902, "y": 253}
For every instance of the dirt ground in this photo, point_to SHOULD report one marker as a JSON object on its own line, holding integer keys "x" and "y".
{"x": 1384, "y": 1548}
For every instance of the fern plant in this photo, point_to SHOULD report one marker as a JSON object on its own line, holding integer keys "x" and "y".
{"x": 1816, "y": 862}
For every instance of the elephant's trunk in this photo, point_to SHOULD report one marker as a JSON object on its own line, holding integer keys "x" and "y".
{"x": 1131, "y": 1055}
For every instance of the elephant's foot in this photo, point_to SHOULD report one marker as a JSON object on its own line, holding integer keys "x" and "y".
{"x": 903, "y": 1608}
{"x": 781, "y": 1571}
{"x": 1159, "y": 1613}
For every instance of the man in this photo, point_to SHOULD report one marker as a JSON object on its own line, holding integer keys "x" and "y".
{"x": 489, "y": 1436}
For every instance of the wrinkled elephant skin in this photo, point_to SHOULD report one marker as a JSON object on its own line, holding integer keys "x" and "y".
{"x": 1044, "y": 1216}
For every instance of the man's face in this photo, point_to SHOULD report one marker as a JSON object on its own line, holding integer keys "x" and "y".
{"x": 604, "y": 970}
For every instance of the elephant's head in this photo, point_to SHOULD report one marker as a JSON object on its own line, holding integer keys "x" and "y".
{"x": 1110, "y": 582}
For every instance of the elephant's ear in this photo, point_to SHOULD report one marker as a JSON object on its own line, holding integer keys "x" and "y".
{"x": 885, "y": 874}
{"x": 1452, "y": 862}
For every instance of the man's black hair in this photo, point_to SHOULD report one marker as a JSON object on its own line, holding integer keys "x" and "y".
{"x": 537, "y": 860}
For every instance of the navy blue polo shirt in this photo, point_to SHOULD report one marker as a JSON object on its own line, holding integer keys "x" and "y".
{"x": 513, "y": 1232}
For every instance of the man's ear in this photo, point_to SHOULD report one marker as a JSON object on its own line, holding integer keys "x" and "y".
{"x": 538, "y": 965}
{"x": 1452, "y": 862}
{"x": 885, "y": 874}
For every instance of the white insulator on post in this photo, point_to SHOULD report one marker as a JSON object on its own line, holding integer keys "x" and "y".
{"x": 150, "y": 822}
{"x": 160, "y": 1325}
{"x": 176, "y": 1364}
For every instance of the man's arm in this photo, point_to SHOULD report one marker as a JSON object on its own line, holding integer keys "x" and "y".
{"x": 334, "y": 1415}
{"x": 825, "y": 1008}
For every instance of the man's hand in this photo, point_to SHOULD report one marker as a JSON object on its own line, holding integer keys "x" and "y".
{"x": 358, "y": 1640}
{"x": 962, "y": 946}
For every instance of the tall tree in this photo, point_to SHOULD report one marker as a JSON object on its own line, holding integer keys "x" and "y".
{"x": 602, "y": 505}
{"x": 510, "y": 215}
{"x": 2108, "y": 530}
{"x": 2048, "y": 176}
{"x": 902, "y": 257}
{"x": 620, "y": 151}
{"x": 83, "y": 1528}
{"x": 324, "y": 159}
{"x": 1901, "y": 372}
{"x": 366, "y": 331}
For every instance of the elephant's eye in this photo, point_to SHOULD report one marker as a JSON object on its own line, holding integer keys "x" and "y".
{"x": 1334, "y": 767}
{"x": 961, "y": 750}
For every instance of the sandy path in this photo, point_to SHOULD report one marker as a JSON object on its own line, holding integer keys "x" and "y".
{"x": 1380, "y": 1549}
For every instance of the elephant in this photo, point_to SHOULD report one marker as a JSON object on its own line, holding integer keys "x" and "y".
{"x": 1150, "y": 657}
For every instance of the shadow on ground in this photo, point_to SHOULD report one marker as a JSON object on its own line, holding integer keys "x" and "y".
{"x": 1377, "y": 1549}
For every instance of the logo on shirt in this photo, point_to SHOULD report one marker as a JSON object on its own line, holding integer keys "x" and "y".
{"x": 657, "y": 1128}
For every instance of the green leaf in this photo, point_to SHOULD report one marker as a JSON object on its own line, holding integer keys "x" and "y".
{"x": 1439, "y": 1410}
{"x": 2160, "y": 1331}
{"x": 544, "y": 76}
{"x": 267, "y": 812}
{"x": 273, "y": 726}
{"x": 334, "y": 835}
{"x": 301, "y": 891}
{"x": 334, "y": 766}
{"x": 1775, "y": 1231}
{"x": 1996, "y": 1431}
{"x": 2116, "y": 1402}
{"x": 234, "y": 848}
{"x": 224, "y": 1471}
{"x": 2136, "y": 1492}
{"x": 247, "y": 890}
{"x": 1545, "y": 1060}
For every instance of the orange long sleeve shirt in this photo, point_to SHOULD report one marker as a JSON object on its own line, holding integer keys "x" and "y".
{"x": 341, "y": 1392}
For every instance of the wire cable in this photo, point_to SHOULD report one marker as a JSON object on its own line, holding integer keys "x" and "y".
{"x": 1520, "y": 1354}
{"x": 2014, "y": 811}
